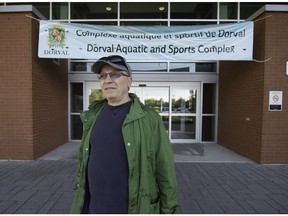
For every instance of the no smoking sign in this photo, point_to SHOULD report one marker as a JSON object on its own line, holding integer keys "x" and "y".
{"x": 275, "y": 100}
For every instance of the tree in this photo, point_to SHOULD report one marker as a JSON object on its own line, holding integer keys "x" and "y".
{"x": 96, "y": 95}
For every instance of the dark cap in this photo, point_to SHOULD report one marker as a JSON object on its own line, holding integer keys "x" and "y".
{"x": 115, "y": 61}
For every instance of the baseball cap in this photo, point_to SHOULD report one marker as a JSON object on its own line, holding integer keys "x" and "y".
{"x": 115, "y": 61}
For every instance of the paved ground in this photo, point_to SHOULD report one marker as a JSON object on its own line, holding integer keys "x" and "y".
{"x": 41, "y": 186}
{"x": 192, "y": 152}
{"x": 46, "y": 186}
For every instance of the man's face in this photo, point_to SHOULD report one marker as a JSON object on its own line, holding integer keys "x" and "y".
{"x": 115, "y": 90}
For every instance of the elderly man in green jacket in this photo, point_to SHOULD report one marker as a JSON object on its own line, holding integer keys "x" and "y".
{"x": 125, "y": 159}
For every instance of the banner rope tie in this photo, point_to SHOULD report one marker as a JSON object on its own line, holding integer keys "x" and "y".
{"x": 263, "y": 18}
{"x": 32, "y": 18}
{"x": 262, "y": 61}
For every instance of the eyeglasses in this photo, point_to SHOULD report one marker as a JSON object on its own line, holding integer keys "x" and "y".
{"x": 113, "y": 75}
{"x": 115, "y": 59}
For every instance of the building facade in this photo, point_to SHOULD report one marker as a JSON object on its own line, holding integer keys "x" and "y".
{"x": 247, "y": 122}
{"x": 215, "y": 102}
{"x": 34, "y": 93}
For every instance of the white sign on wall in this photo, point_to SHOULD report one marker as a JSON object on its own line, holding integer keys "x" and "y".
{"x": 232, "y": 41}
{"x": 275, "y": 100}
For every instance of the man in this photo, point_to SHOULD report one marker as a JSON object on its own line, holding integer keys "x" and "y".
{"x": 125, "y": 158}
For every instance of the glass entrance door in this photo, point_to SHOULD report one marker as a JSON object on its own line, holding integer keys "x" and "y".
{"x": 157, "y": 98}
{"x": 184, "y": 119}
{"x": 178, "y": 104}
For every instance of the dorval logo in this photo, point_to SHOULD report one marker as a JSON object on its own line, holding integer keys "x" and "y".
{"x": 56, "y": 37}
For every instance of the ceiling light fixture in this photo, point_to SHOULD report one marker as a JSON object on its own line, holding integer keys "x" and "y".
{"x": 161, "y": 8}
{"x": 108, "y": 8}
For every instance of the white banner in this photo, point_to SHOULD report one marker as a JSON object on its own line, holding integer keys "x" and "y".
{"x": 180, "y": 43}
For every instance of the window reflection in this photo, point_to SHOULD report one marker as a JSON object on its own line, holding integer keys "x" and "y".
{"x": 81, "y": 66}
{"x": 76, "y": 97}
{"x": 76, "y": 127}
{"x": 247, "y": 9}
{"x": 228, "y": 10}
{"x": 148, "y": 66}
{"x": 183, "y": 127}
{"x": 60, "y": 10}
{"x": 184, "y": 100}
{"x": 182, "y": 67}
{"x": 95, "y": 95}
{"x": 88, "y": 22}
{"x": 208, "y": 128}
{"x": 91, "y": 10}
{"x": 209, "y": 98}
{"x": 143, "y": 23}
{"x": 157, "y": 99}
{"x": 206, "y": 67}
{"x": 193, "y": 10}
{"x": 141, "y": 10}
{"x": 191, "y": 23}
{"x": 165, "y": 120}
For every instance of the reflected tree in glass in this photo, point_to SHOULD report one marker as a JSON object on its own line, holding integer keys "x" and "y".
{"x": 96, "y": 95}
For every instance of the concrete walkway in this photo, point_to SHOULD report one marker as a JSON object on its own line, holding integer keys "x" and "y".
{"x": 229, "y": 186}
{"x": 194, "y": 152}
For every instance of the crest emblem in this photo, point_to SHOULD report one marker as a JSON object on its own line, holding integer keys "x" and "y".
{"x": 56, "y": 37}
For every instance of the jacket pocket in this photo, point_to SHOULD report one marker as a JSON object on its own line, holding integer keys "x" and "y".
{"x": 154, "y": 204}
{"x": 149, "y": 204}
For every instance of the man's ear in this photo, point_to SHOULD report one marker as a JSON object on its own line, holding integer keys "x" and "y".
{"x": 130, "y": 82}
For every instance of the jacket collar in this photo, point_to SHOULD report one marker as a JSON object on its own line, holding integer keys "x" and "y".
{"x": 136, "y": 110}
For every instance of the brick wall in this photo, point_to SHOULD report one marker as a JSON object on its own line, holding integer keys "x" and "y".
{"x": 245, "y": 125}
{"x": 33, "y": 111}
{"x": 16, "y": 137}
{"x": 275, "y": 124}
{"x": 50, "y": 101}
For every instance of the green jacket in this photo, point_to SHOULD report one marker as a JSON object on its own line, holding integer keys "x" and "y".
{"x": 152, "y": 182}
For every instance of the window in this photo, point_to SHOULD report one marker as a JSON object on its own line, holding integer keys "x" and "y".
{"x": 43, "y": 8}
{"x": 76, "y": 127}
{"x": 209, "y": 112}
{"x": 96, "y": 22}
{"x": 228, "y": 10}
{"x": 76, "y": 106}
{"x": 148, "y": 66}
{"x": 209, "y": 98}
{"x": 193, "y": 10}
{"x": 143, "y": 23}
{"x": 208, "y": 128}
{"x": 76, "y": 97}
{"x": 206, "y": 67}
{"x": 59, "y": 10}
{"x": 91, "y": 10}
{"x": 140, "y": 10}
{"x": 81, "y": 66}
{"x": 247, "y": 9}
{"x": 182, "y": 67}
{"x": 191, "y": 23}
